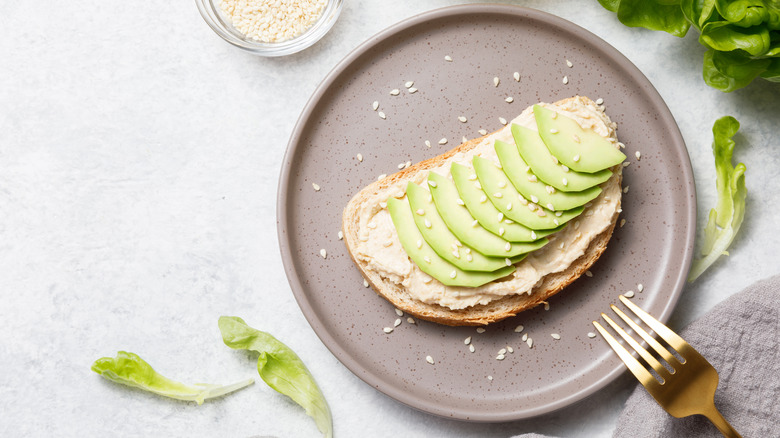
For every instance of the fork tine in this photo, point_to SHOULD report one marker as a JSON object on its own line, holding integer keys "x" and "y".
{"x": 661, "y": 330}
{"x": 660, "y": 349}
{"x": 653, "y": 362}
{"x": 639, "y": 371}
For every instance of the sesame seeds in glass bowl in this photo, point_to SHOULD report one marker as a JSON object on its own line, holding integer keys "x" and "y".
{"x": 270, "y": 28}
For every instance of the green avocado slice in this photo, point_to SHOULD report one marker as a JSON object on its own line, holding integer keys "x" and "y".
{"x": 468, "y": 230}
{"x": 530, "y": 187}
{"x": 434, "y": 230}
{"x": 512, "y": 204}
{"x": 486, "y": 213}
{"x": 546, "y": 167}
{"x": 582, "y": 150}
{"x": 426, "y": 258}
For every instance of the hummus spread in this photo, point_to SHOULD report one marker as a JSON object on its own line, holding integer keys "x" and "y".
{"x": 391, "y": 261}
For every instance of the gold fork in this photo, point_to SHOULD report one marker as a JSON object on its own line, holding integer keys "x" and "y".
{"x": 688, "y": 388}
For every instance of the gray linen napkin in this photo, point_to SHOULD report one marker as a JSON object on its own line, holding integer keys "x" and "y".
{"x": 740, "y": 337}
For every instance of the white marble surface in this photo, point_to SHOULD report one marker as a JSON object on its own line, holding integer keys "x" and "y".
{"x": 139, "y": 157}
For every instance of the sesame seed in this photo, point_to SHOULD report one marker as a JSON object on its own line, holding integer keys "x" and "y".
{"x": 399, "y": 312}
{"x": 500, "y": 216}
{"x": 508, "y": 247}
{"x": 550, "y": 190}
{"x": 591, "y": 335}
{"x": 502, "y": 120}
{"x": 629, "y": 294}
{"x": 640, "y": 287}
{"x": 388, "y": 330}
{"x": 509, "y": 206}
{"x": 562, "y": 245}
{"x": 550, "y": 207}
{"x": 471, "y": 348}
{"x": 483, "y": 199}
{"x": 365, "y": 283}
{"x": 480, "y": 330}
{"x": 427, "y": 259}
{"x": 375, "y": 105}
{"x": 546, "y": 305}
{"x": 360, "y": 157}
{"x": 432, "y": 183}
{"x": 622, "y": 222}
{"x": 462, "y": 119}
{"x": 625, "y": 189}
{"x": 387, "y": 243}
{"x": 530, "y": 343}
{"x": 638, "y": 155}
{"x": 565, "y": 169}
{"x": 502, "y": 351}
{"x": 565, "y": 80}
{"x": 588, "y": 273}
{"x": 341, "y": 235}
{"x": 443, "y": 141}
{"x": 464, "y": 139}
{"x": 496, "y": 81}
{"x": 467, "y": 341}
{"x": 483, "y": 131}
{"x": 410, "y": 320}
{"x": 472, "y": 177}
{"x": 453, "y": 274}
{"x": 500, "y": 357}
{"x": 508, "y": 262}
{"x": 412, "y": 90}
{"x": 419, "y": 243}
{"x": 534, "y": 199}
{"x": 501, "y": 184}
{"x": 525, "y": 337}
{"x": 599, "y": 101}
{"x": 555, "y": 221}
{"x": 490, "y": 378}
{"x": 555, "y": 336}
{"x": 448, "y": 58}
{"x": 395, "y": 92}
{"x": 475, "y": 223}
{"x": 429, "y": 360}
{"x": 427, "y": 223}
{"x": 516, "y": 75}
{"x": 323, "y": 253}
{"x": 478, "y": 185}
{"x": 569, "y": 64}
{"x": 533, "y": 234}
{"x": 427, "y": 143}
{"x": 533, "y": 178}
{"x": 420, "y": 212}
{"x": 519, "y": 329}
{"x": 576, "y": 158}
{"x": 408, "y": 163}
{"x": 397, "y": 322}
{"x": 576, "y": 138}
{"x": 554, "y": 160}
{"x": 409, "y": 84}
{"x": 427, "y": 279}
{"x": 316, "y": 187}
{"x": 401, "y": 166}
{"x": 626, "y": 163}
{"x": 553, "y": 131}
{"x": 455, "y": 254}
{"x": 498, "y": 195}
{"x": 382, "y": 115}
{"x": 509, "y": 99}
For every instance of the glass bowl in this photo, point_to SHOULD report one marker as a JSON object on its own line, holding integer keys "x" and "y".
{"x": 211, "y": 13}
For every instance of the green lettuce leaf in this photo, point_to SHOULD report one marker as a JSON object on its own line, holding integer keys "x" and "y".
{"x": 726, "y": 218}
{"x": 129, "y": 369}
{"x": 280, "y": 368}
{"x": 698, "y": 12}
{"x": 728, "y": 71}
{"x": 664, "y": 15}
{"x": 725, "y": 37}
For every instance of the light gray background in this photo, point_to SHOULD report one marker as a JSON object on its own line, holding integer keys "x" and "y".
{"x": 139, "y": 158}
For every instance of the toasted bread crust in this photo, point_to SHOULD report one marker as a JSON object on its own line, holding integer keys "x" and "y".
{"x": 482, "y": 314}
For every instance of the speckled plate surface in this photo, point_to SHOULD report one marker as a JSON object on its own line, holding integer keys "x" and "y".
{"x": 484, "y": 41}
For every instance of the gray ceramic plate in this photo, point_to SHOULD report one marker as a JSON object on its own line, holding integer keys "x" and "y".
{"x": 654, "y": 247}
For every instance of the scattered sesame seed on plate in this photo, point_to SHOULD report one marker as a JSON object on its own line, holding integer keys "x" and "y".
{"x": 395, "y": 92}
{"x": 467, "y": 341}
{"x": 448, "y": 58}
{"x": 629, "y": 294}
{"x": 382, "y": 176}
{"x": 471, "y": 348}
{"x": 412, "y": 90}
{"x": 324, "y": 253}
{"x": 519, "y": 328}
{"x": 496, "y": 81}
{"x": 443, "y": 140}
{"x": 490, "y": 378}
{"x": 599, "y": 101}
{"x": 432, "y": 183}
{"x": 360, "y": 157}
{"x": 500, "y": 357}
{"x": 382, "y": 115}
{"x": 388, "y": 330}
{"x": 546, "y": 305}
{"x": 399, "y": 312}
{"x": 464, "y": 139}
{"x": 429, "y": 360}
{"x": 397, "y": 322}
{"x": 569, "y": 64}
{"x": 401, "y": 165}
{"x": 341, "y": 235}
{"x": 510, "y": 349}
{"x": 316, "y": 187}
{"x": 502, "y": 120}
{"x": 525, "y": 337}
{"x": 483, "y": 131}
{"x": 625, "y": 189}
{"x": 480, "y": 330}
{"x": 408, "y": 164}
{"x": 502, "y": 351}
{"x": 409, "y": 84}
{"x": 530, "y": 343}
{"x": 428, "y": 143}
{"x": 410, "y": 320}
{"x": 588, "y": 273}
{"x": 565, "y": 80}
{"x": 462, "y": 119}
{"x": 591, "y": 335}
{"x": 555, "y": 336}
{"x": 638, "y": 155}
{"x": 509, "y": 99}
{"x": 516, "y": 75}
{"x": 640, "y": 287}
{"x": 622, "y": 222}
{"x": 626, "y": 163}
{"x": 375, "y": 105}
{"x": 365, "y": 283}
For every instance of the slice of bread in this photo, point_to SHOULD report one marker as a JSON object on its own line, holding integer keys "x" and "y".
{"x": 479, "y": 314}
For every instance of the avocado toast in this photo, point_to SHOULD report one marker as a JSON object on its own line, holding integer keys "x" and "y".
{"x": 496, "y": 225}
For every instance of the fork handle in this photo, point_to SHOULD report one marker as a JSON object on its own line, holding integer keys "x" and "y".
{"x": 723, "y": 426}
